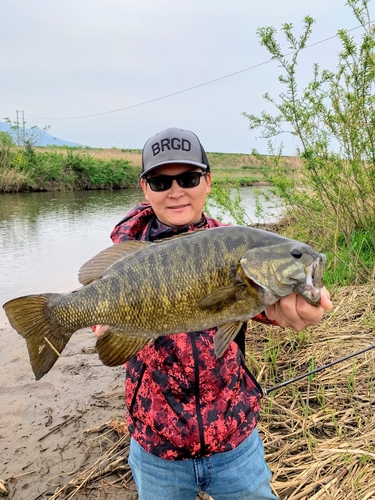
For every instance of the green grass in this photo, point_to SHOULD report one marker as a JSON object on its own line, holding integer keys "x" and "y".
{"x": 69, "y": 169}
{"x": 62, "y": 168}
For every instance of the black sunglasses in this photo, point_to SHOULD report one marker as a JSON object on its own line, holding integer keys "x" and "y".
{"x": 184, "y": 180}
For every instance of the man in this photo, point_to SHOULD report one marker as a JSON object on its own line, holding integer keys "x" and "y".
{"x": 193, "y": 417}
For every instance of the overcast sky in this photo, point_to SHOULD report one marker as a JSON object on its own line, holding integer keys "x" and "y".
{"x": 64, "y": 59}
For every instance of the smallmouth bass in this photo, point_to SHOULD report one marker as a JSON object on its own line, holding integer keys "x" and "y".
{"x": 217, "y": 277}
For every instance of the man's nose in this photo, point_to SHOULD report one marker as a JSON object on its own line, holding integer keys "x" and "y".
{"x": 175, "y": 187}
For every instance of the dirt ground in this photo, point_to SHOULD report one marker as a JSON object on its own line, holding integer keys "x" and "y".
{"x": 64, "y": 436}
{"x": 61, "y": 437}
{"x": 44, "y": 424}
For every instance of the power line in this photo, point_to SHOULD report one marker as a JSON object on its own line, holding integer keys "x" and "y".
{"x": 167, "y": 96}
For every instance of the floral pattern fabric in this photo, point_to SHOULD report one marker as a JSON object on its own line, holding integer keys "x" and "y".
{"x": 182, "y": 401}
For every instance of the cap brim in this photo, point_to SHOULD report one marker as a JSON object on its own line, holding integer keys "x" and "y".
{"x": 181, "y": 162}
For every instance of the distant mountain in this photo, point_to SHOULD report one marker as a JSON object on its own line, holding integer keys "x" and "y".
{"x": 38, "y": 136}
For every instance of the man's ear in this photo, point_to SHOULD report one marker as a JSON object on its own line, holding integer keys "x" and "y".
{"x": 144, "y": 188}
{"x": 208, "y": 181}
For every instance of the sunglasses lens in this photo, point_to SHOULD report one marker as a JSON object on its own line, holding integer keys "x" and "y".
{"x": 189, "y": 179}
{"x": 160, "y": 182}
{"x": 164, "y": 182}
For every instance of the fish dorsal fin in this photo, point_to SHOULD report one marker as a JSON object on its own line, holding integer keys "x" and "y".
{"x": 187, "y": 234}
{"x": 116, "y": 348}
{"x": 224, "y": 336}
{"x": 95, "y": 267}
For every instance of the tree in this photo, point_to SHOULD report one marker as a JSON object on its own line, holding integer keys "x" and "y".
{"x": 333, "y": 118}
{"x": 26, "y": 137}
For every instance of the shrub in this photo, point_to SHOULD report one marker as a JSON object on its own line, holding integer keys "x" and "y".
{"x": 331, "y": 195}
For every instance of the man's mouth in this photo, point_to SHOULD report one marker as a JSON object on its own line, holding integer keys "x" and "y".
{"x": 177, "y": 207}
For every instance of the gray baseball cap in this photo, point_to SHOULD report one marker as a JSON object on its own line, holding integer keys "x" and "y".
{"x": 173, "y": 145}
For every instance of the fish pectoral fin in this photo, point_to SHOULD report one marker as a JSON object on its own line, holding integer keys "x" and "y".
{"x": 224, "y": 336}
{"x": 220, "y": 297}
{"x": 116, "y": 348}
{"x": 95, "y": 267}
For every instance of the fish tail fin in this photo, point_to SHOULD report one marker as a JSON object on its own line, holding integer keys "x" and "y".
{"x": 32, "y": 318}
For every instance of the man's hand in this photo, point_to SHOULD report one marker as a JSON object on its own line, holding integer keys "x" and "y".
{"x": 295, "y": 312}
{"x": 100, "y": 329}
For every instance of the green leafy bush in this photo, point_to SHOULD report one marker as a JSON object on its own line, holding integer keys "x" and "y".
{"x": 25, "y": 169}
{"x": 331, "y": 195}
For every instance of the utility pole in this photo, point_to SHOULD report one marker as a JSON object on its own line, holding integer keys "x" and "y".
{"x": 18, "y": 114}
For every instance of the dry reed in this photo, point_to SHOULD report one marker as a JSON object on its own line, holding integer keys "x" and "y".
{"x": 318, "y": 433}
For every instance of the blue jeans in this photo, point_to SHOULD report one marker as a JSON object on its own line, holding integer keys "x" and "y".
{"x": 239, "y": 474}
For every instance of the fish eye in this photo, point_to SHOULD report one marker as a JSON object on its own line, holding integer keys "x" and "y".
{"x": 296, "y": 252}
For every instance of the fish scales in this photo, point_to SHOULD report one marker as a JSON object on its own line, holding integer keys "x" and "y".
{"x": 140, "y": 292}
{"x": 216, "y": 277}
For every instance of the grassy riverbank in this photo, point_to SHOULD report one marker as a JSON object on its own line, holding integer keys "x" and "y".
{"x": 53, "y": 169}
{"x": 232, "y": 168}
{"x": 339, "y": 226}
{"x": 59, "y": 169}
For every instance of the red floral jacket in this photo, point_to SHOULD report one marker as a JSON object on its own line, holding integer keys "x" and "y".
{"x": 182, "y": 401}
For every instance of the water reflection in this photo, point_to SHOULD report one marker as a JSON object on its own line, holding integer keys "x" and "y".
{"x": 46, "y": 237}
{"x": 35, "y": 206}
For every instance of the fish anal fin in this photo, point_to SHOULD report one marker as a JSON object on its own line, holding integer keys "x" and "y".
{"x": 224, "y": 336}
{"x": 95, "y": 267}
{"x": 116, "y": 348}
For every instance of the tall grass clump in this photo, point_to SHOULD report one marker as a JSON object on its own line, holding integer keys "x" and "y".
{"x": 330, "y": 195}
{"x": 28, "y": 169}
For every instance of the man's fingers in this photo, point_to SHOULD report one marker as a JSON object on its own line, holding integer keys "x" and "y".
{"x": 100, "y": 329}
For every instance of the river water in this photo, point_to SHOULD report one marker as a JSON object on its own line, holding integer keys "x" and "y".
{"x": 46, "y": 237}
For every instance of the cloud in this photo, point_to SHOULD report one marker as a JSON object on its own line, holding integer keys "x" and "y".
{"x": 66, "y": 59}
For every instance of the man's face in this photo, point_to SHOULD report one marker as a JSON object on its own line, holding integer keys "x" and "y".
{"x": 177, "y": 206}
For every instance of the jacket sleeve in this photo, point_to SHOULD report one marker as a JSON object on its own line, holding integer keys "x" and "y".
{"x": 262, "y": 318}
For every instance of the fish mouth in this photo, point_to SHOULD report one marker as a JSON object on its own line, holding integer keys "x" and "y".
{"x": 311, "y": 289}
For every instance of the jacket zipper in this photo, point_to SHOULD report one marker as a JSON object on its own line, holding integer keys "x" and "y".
{"x": 253, "y": 379}
{"x": 143, "y": 369}
{"x": 197, "y": 394}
